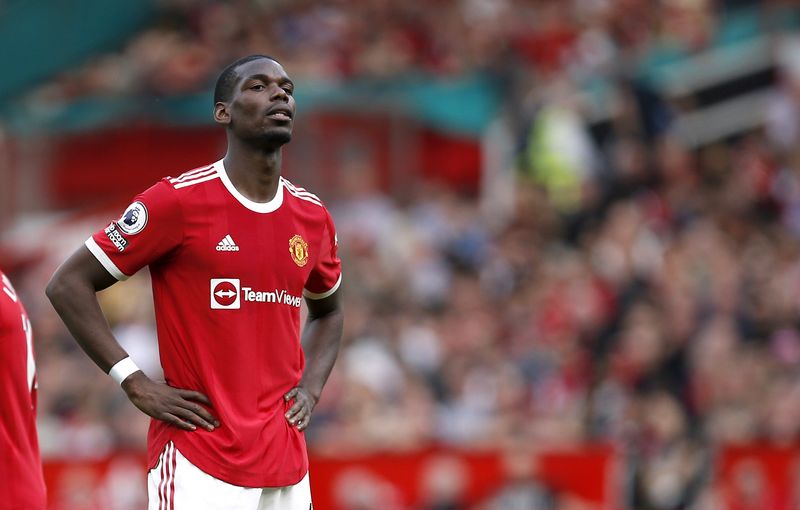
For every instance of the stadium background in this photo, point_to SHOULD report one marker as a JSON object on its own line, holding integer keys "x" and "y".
{"x": 569, "y": 228}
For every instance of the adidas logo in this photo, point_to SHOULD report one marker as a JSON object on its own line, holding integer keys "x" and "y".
{"x": 227, "y": 244}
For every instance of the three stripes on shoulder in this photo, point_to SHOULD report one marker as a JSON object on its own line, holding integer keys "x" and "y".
{"x": 195, "y": 176}
{"x": 210, "y": 172}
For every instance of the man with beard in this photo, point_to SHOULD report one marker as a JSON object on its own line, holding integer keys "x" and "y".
{"x": 232, "y": 248}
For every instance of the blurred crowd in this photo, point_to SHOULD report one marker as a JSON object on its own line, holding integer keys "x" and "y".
{"x": 334, "y": 41}
{"x": 637, "y": 293}
{"x": 660, "y": 316}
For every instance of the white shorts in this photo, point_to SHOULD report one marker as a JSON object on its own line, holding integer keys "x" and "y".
{"x": 177, "y": 484}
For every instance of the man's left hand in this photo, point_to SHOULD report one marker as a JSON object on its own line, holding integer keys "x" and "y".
{"x": 299, "y": 415}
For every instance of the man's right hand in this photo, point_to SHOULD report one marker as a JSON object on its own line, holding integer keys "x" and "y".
{"x": 172, "y": 405}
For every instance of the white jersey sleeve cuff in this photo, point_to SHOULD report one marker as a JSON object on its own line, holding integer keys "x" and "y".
{"x": 101, "y": 257}
{"x": 311, "y": 295}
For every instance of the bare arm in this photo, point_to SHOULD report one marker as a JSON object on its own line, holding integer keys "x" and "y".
{"x": 73, "y": 293}
{"x": 321, "y": 339}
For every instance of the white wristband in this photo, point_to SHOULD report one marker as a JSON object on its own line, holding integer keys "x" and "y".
{"x": 122, "y": 369}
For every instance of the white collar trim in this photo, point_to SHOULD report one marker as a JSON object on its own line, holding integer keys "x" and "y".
{"x": 259, "y": 207}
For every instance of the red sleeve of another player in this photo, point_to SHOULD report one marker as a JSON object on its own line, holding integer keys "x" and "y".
{"x": 326, "y": 275}
{"x": 149, "y": 229}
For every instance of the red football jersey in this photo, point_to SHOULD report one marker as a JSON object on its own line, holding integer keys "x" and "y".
{"x": 228, "y": 278}
{"x": 21, "y": 481}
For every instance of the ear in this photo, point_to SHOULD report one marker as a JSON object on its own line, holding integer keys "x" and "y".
{"x": 221, "y": 115}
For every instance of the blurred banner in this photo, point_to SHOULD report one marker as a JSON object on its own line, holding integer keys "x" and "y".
{"x": 86, "y": 168}
{"x": 426, "y": 479}
{"x": 746, "y": 477}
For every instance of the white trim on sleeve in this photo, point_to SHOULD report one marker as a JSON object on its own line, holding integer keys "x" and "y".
{"x": 311, "y": 295}
{"x": 101, "y": 256}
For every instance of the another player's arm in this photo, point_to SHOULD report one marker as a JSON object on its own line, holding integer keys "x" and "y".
{"x": 321, "y": 339}
{"x": 73, "y": 293}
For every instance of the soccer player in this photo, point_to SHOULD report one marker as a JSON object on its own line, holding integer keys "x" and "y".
{"x": 232, "y": 248}
{"x": 21, "y": 481}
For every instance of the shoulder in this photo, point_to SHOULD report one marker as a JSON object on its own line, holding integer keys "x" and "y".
{"x": 192, "y": 178}
{"x": 173, "y": 191}
{"x": 168, "y": 195}
{"x": 303, "y": 197}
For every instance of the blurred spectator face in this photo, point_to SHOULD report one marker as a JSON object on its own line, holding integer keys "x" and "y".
{"x": 444, "y": 482}
{"x": 664, "y": 417}
{"x": 358, "y": 489}
{"x": 641, "y": 343}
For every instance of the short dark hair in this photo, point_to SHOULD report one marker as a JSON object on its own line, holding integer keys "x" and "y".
{"x": 227, "y": 79}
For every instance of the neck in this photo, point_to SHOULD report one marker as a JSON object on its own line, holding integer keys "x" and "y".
{"x": 253, "y": 172}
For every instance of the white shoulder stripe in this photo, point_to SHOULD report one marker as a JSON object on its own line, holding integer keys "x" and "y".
{"x": 292, "y": 185}
{"x": 311, "y": 295}
{"x": 303, "y": 197}
{"x": 215, "y": 175}
{"x": 300, "y": 191}
{"x": 187, "y": 175}
{"x": 107, "y": 263}
{"x": 307, "y": 194}
{"x": 195, "y": 175}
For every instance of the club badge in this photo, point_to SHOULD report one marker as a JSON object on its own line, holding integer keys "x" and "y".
{"x": 298, "y": 249}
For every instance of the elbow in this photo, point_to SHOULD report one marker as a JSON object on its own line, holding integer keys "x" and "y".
{"x": 337, "y": 318}
{"x": 57, "y": 288}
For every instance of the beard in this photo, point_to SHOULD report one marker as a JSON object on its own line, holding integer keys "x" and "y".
{"x": 276, "y": 137}
{"x": 263, "y": 137}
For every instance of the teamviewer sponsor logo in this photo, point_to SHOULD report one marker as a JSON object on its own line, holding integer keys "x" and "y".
{"x": 276, "y": 296}
{"x": 225, "y": 294}
{"x": 228, "y": 294}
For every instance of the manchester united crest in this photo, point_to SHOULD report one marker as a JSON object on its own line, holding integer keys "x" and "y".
{"x": 298, "y": 249}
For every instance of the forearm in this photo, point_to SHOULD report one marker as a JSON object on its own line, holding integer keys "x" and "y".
{"x": 75, "y": 301}
{"x": 321, "y": 339}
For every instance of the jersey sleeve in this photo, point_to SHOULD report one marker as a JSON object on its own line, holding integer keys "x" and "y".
{"x": 149, "y": 229}
{"x": 326, "y": 276}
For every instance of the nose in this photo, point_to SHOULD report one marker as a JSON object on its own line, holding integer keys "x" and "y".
{"x": 279, "y": 93}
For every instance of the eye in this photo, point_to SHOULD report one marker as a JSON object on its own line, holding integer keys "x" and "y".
{"x": 257, "y": 87}
{"x": 288, "y": 90}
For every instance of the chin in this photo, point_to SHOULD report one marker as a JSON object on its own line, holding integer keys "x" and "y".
{"x": 277, "y": 137}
